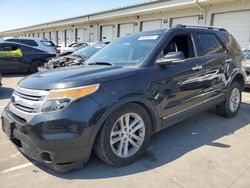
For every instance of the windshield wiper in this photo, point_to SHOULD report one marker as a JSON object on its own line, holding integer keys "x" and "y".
{"x": 101, "y": 63}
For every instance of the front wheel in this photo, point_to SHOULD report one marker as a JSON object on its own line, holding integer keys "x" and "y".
{"x": 124, "y": 136}
{"x": 230, "y": 107}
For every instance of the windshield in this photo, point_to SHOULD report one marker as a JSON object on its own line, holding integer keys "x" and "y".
{"x": 247, "y": 54}
{"x": 48, "y": 43}
{"x": 129, "y": 50}
{"x": 88, "y": 51}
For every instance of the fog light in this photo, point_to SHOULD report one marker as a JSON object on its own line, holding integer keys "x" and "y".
{"x": 46, "y": 157}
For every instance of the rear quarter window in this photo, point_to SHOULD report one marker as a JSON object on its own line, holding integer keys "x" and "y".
{"x": 47, "y": 43}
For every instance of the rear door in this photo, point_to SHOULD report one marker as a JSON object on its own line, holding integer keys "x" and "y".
{"x": 11, "y": 56}
{"x": 216, "y": 64}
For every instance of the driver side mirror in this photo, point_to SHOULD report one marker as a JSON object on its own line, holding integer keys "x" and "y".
{"x": 171, "y": 58}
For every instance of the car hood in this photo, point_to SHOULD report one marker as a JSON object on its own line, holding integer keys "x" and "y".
{"x": 77, "y": 76}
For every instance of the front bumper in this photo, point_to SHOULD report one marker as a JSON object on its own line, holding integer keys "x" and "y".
{"x": 59, "y": 140}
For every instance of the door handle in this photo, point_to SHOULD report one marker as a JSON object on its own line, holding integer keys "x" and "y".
{"x": 197, "y": 68}
{"x": 228, "y": 60}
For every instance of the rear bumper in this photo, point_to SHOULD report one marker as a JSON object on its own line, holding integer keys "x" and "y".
{"x": 60, "y": 143}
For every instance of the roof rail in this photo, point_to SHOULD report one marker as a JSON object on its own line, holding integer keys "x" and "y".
{"x": 199, "y": 26}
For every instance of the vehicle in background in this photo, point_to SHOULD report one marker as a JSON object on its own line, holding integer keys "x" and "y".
{"x": 76, "y": 58}
{"x": 17, "y": 57}
{"x": 126, "y": 92}
{"x": 246, "y": 66}
{"x": 39, "y": 43}
{"x": 71, "y": 48}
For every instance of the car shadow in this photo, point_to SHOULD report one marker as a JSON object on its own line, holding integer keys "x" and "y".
{"x": 5, "y": 93}
{"x": 247, "y": 90}
{"x": 168, "y": 145}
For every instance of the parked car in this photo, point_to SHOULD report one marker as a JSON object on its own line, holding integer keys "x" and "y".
{"x": 246, "y": 66}
{"x": 71, "y": 48}
{"x": 39, "y": 43}
{"x": 126, "y": 92}
{"x": 76, "y": 58}
{"x": 17, "y": 57}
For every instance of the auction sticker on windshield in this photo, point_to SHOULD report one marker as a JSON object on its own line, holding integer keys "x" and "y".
{"x": 151, "y": 37}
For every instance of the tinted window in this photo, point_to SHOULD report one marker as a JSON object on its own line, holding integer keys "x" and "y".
{"x": 48, "y": 43}
{"x": 10, "y": 51}
{"x": 24, "y": 41}
{"x": 29, "y": 42}
{"x": 210, "y": 44}
{"x": 14, "y": 40}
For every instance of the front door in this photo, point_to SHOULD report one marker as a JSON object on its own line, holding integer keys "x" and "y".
{"x": 181, "y": 85}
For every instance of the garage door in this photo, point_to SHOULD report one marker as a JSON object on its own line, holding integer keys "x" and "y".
{"x": 126, "y": 29}
{"x": 191, "y": 20}
{"x": 151, "y": 25}
{"x": 61, "y": 38}
{"x": 69, "y": 37}
{"x": 107, "y": 33}
{"x": 80, "y": 35}
{"x": 47, "y": 35}
{"x": 237, "y": 23}
{"x": 53, "y": 37}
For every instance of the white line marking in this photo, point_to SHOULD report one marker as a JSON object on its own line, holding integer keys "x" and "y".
{"x": 14, "y": 155}
{"x": 16, "y": 168}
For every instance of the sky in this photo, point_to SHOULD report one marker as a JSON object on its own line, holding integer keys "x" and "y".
{"x": 22, "y": 13}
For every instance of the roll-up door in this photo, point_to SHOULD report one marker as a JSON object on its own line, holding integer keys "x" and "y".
{"x": 61, "y": 38}
{"x": 126, "y": 29}
{"x": 107, "y": 33}
{"x": 53, "y": 37}
{"x": 191, "y": 20}
{"x": 237, "y": 23}
{"x": 151, "y": 25}
{"x": 80, "y": 35}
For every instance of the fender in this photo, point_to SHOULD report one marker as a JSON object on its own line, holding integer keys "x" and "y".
{"x": 116, "y": 105}
{"x": 235, "y": 74}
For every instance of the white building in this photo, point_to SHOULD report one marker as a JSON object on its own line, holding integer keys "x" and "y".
{"x": 234, "y": 15}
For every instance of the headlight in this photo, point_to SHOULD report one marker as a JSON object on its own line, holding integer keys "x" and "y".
{"x": 60, "y": 99}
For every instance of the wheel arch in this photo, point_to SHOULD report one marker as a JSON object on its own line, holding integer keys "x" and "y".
{"x": 238, "y": 77}
{"x": 155, "y": 123}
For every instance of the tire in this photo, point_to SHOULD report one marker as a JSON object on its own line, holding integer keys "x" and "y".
{"x": 225, "y": 109}
{"x": 110, "y": 153}
{"x": 34, "y": 66}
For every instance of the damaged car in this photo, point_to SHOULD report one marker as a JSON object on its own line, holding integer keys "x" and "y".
{"x": 76, "y": 58}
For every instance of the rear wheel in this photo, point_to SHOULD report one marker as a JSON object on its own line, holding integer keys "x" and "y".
{"x": 124, "y": 136}
{"x": 34, "y": 66}
{"x": 231, "y": 106}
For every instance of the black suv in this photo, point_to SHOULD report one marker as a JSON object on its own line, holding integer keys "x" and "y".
{"x": 129, "y": 90}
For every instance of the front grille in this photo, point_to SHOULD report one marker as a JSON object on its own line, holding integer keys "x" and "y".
{"x": 27, "y": 102}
